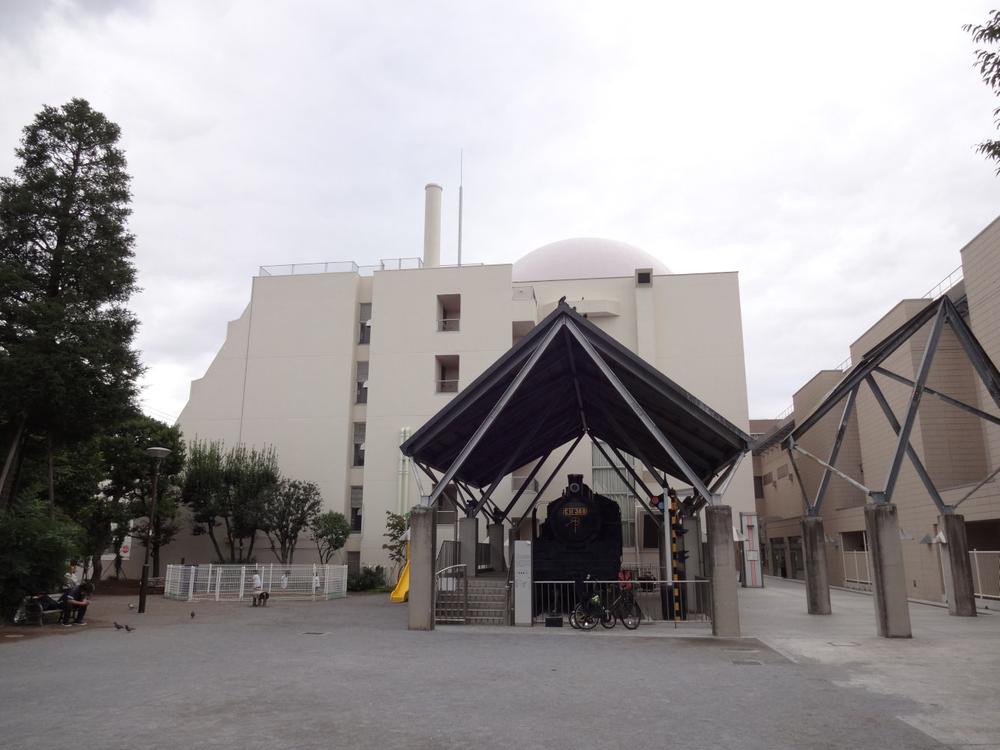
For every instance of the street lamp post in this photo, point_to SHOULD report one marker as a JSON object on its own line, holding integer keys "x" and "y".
{"x": 157, "y": 454}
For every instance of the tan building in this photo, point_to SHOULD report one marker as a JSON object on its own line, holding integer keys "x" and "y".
{"x": 958, "y": 449}
{"x": 335, "y": 365}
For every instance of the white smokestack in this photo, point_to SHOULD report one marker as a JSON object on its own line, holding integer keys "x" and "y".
{"x": 432, "y": 225}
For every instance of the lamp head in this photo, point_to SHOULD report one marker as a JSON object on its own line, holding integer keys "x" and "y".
{"x": 158, "y": 453}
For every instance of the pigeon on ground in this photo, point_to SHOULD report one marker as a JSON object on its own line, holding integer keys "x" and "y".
{"x": 117, "y": 626}
{"x": 131, "y": 606}
{"x": 129, "y": 628}
{"x": 192, "y": 614}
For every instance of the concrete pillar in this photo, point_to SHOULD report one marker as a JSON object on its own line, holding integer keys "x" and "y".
{"x": 468, "y": 538}
{"x": 817, "y": 576}
{"x": 722, "y": 571}
{"x": 892, "y": 611}
{"x": 958, "y": 567}
{"x": 423, "y": 544}
{"x": 494, "y": 532}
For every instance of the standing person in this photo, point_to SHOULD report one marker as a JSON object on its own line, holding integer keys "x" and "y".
{"x": 315, "y": 585}
{"x": 75, "y": 599}
{"x": 258, "y": 587}
{"x": 284, "y": 580}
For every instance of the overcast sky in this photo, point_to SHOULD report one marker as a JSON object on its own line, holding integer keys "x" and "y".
{"x": 826, "y": 152}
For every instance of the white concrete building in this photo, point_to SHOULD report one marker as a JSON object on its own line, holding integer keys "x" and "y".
{"x": 335, "y": 364}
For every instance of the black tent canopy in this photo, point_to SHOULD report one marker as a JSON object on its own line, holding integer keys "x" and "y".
{"x": 565, "y": 379}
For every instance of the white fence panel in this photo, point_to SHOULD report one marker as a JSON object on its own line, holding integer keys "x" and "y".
{"x": 236, "y": 582}
{"x": 986, "y": 573}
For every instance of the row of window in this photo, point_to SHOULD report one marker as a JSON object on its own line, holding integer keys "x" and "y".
{"x": 449, "y": 316}
{"x": 446, "y": 373}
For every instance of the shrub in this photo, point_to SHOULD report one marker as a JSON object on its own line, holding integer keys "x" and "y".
{"x": 367, "y": 580}
{"x": 34, "y": 551}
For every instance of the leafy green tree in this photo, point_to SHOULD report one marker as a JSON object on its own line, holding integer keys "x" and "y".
{"x": 988, "y": 64}
{"x": 288, "y": 511}
{"x": 34, "y": 550}
{"x": 128, "y": 484}
{"x": 66, "y": 360}
{"x": 396, "y": 526}
{"x": 227, "y": 492}
{"x": 329, "y": 531}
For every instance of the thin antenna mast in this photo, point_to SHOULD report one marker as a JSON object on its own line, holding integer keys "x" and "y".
{"x": 460, "y": 155}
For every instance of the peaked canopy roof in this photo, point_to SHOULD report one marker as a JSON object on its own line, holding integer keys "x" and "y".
{"x": 566, "y": 394}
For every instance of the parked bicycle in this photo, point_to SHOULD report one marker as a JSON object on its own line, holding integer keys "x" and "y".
{"x": 626, "y": 609}
{"x": 590, "y": 611}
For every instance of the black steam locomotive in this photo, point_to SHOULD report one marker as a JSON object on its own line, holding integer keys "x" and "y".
{"x": 581, "y": 537}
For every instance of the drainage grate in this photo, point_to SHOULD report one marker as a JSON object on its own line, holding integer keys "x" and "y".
{"x": 313, "y": 633}
{"x": 747, "y": 662}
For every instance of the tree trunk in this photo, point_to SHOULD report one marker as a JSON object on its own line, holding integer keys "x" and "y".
{"x": 52, "y": 477}
{"x": 215, "y": 543}
{"x": 11, "y": 462}
{"x": 98, "y": 568}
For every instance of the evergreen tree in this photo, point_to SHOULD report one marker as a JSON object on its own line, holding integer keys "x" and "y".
{"x": 66, "y": 361}
{"x": 288, "y": 511}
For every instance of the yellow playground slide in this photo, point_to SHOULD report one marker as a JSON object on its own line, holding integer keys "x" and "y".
{"x": 402, "y": 590}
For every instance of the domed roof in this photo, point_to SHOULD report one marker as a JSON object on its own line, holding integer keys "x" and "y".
{"x": 584, "y": 258}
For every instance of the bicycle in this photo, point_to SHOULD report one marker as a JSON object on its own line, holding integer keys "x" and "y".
{"x": 591, "y": 611}
{"x": 626, "y": 609}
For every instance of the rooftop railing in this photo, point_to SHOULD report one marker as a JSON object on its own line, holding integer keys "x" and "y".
{"x": 343, "y": 266}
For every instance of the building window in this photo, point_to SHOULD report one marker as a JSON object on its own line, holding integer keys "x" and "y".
{"x": 643, "y": 276}
{"x": 356, "y": 502}
{"x": 353, "y": 563}
{"x": 446, "y": 373}
{"x": 361, "y": 381}
{"x": 758, "y": 487}
{"x": 359, "y": 443}
{"x": 449, "y": 312}
{"x": 365, "y": 323}
{"x": 782, "y": 471}
{"x": 447, "y": 507}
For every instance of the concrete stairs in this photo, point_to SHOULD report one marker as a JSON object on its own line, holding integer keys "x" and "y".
{"x": 487, "y": 602}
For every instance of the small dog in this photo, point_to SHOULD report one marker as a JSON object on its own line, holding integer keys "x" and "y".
{"x": 260, "y": 599}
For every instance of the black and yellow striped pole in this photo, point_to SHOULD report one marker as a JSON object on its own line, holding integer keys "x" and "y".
{"x": 675, "y": 556}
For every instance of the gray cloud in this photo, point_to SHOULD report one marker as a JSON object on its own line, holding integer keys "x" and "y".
{"x": 832, "y": 167}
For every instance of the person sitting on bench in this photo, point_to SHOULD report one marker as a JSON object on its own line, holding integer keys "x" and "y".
{"x": 75, "y": 599}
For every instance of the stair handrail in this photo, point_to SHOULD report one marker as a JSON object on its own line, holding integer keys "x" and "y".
{"x": 465, "y": 590}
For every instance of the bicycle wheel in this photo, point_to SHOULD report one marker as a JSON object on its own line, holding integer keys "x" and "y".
{"x": 585, "y": 619}
{"x": 572, "y": 620}
{"x": 631, "y": 615}
{"x": 607, "y": 619}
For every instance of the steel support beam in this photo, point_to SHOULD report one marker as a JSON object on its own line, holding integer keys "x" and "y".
{"x": 509, "y": 463}
{"x": 576, "y": 384}
{"x": 914, "y": 458}
{"x": 824, "y": 483}
{"x": 944, "y": 397}
{"x": 973, "y": 491}
{"x": 548, "y": 481}
{"x": 523, "y": 487}
{"x": 498, "y": 407}
{"x": 725, "y": 478}
{"x": 639, "y": 412}
{"x": 624, "y": 480}
{"x": 850, "y": 480}
{"x": 903, "y": 441}
{"x": 810, "y": 511}
{"x": 980, "y": 360}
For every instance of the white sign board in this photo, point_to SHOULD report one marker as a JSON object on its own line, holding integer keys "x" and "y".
{"x": 522, "y": 583}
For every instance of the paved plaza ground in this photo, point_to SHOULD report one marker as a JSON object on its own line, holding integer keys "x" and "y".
{"x": 347, "y": 674}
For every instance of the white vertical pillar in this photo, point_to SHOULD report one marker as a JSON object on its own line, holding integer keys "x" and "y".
{"x": 523, "y": 614}
{"x": 432, "y": 225}
{"x": 243, "y": 580}
{"x": 208, "y": 589}
{"x": 218, "y": 580}
{"x": 194, "y": 572}
{"x": 270, "y": 578}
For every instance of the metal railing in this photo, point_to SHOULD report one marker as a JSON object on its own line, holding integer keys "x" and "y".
{"x": 986, "y": 573}
{"x": 482, "y": 555}
{"x": 449, "y": 324}
{"x": 451, "y": 595}
{"x": 236, "y": 582}
{"x": 857, "y": 573}
{"x": 655, "y": 598}
{"x": 448, "y": 554}
{"x": 344, "y": 266}
{"x": 945, "y": 284}
{"x": 447, "y": 386}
